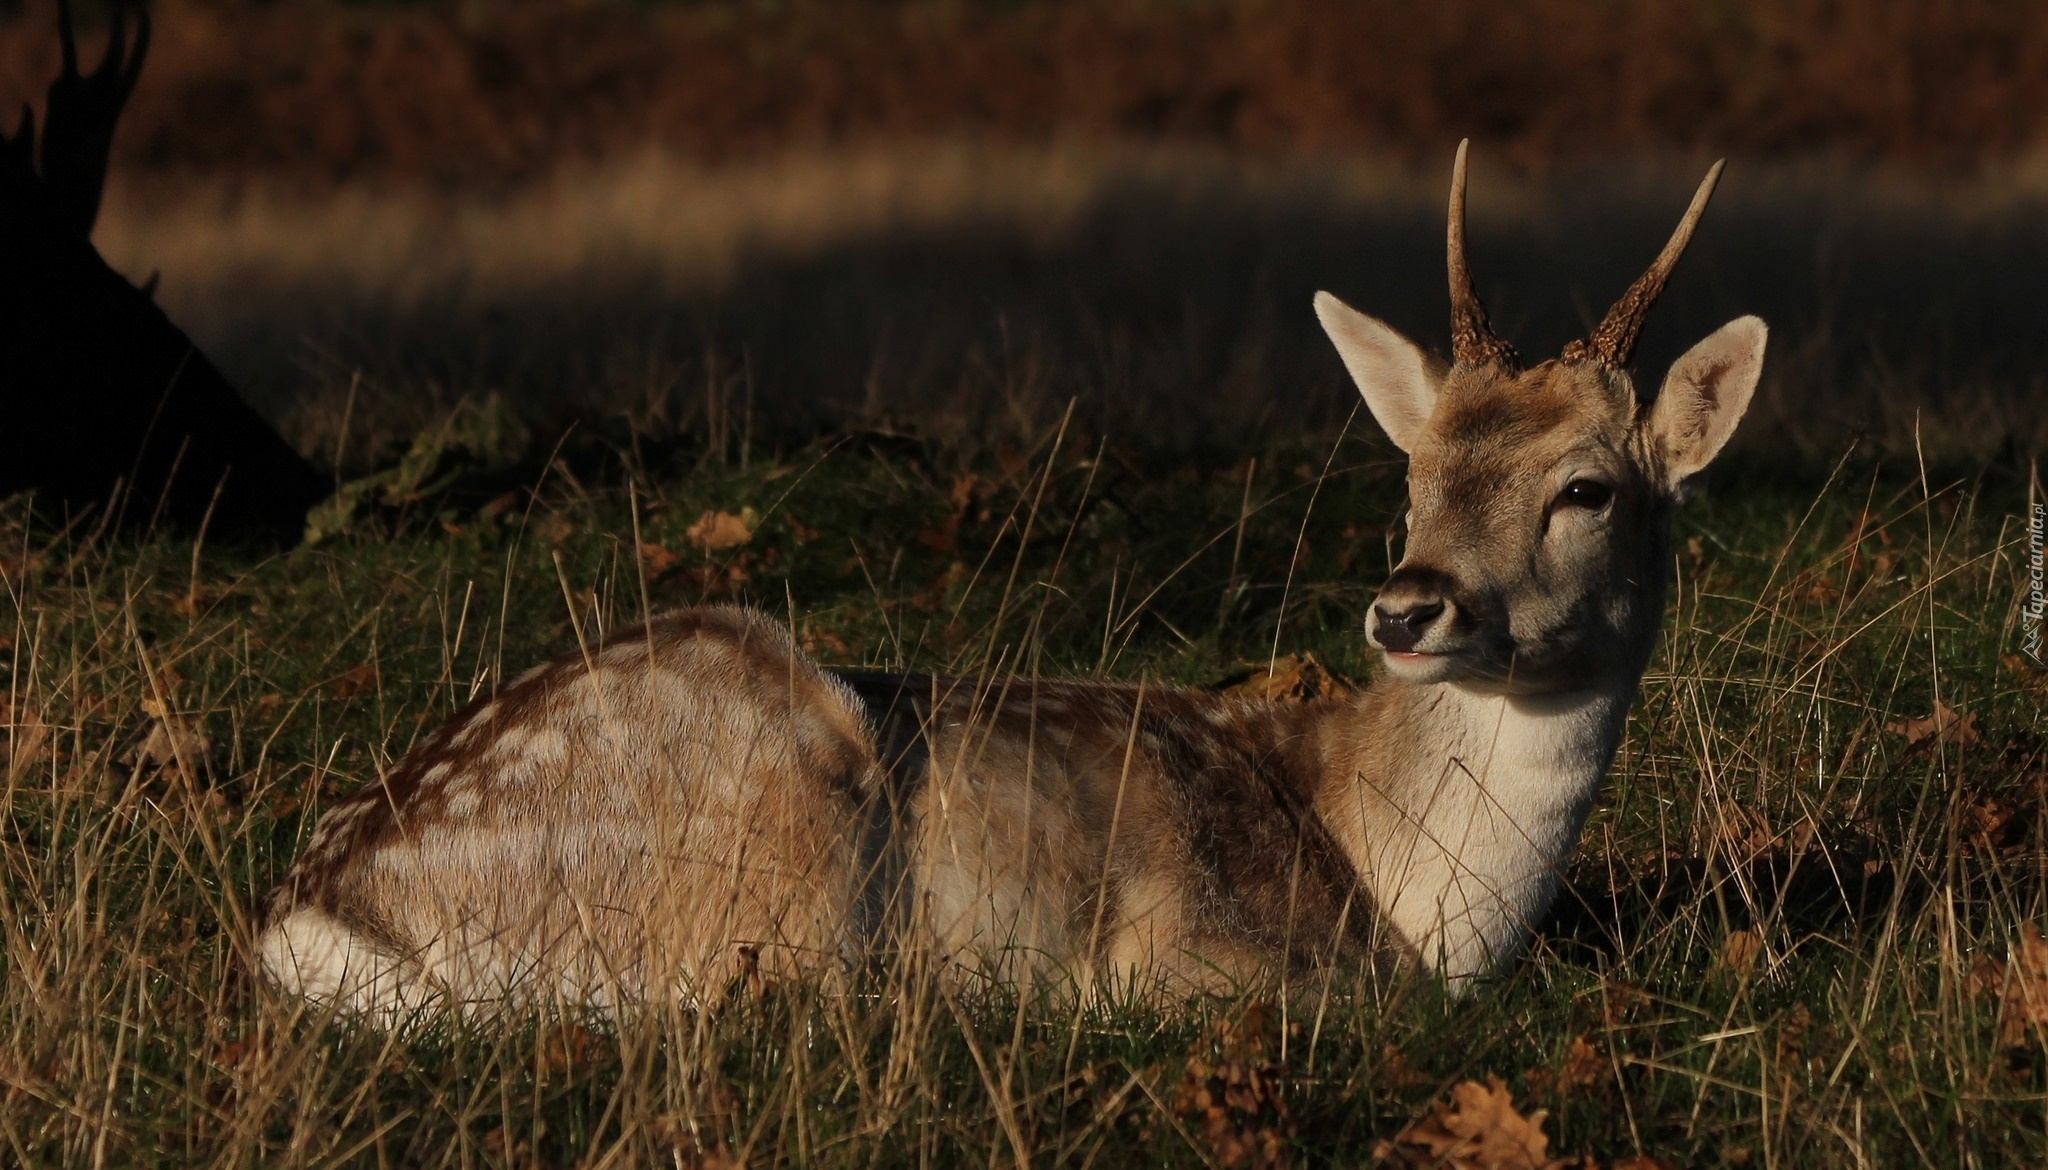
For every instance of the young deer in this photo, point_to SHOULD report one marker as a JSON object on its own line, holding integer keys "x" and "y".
{"x": 696, "y": 797}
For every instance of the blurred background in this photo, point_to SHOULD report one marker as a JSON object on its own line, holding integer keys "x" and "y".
{"x": 745, "y": 221}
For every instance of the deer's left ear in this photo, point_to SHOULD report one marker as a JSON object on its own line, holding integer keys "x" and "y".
{"x": 1704, "y": 396}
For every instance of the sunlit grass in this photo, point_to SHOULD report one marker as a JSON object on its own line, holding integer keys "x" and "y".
{"x": 1777, "y": 945}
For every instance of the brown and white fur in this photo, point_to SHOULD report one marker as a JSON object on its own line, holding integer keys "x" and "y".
{"x": 696, "y": 797}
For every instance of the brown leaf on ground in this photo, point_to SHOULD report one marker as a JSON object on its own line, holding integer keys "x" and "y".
{"x": 568, "y": 1048}
{"x": 1013, "y": 462}
{"x": 1642, "y": 1162}
{"x": 1584, "y": 1066}
{"x": 555, "y": 527}
{"x": 717, "y": 531}
{"x": 819, "y": 641}
{"x": 1237, "y": 1101}
{"x": 1621, "y": 1001}
{"x": 1295, "y": 678}
{"x": 804, "y": 533}
{"x": 360, "y": 679}
{"x": 711, "y": 581}
{"x": 702, "y": 1141}
{"x": 2019, "y": 983}
{"x": 197, "y": 599}
{"x": 1395, "y": 1072}
{"x": 506, "y": 1148}
{"x": 657, "y": 560}
{"x": 1739, "y": 952}
{"x": 1985, "y": 821}
{"x": 1946, "y": 725}
{"x": 966, "y": 488}
{"x": 1476, "y": 1128}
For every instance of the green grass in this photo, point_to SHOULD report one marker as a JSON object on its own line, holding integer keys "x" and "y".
{"x": 1760, "y": 795}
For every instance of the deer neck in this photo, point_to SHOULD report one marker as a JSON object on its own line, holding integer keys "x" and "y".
{"x": 1461, "y": 808}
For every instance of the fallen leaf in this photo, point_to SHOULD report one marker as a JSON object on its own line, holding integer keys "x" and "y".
{"x": 197, "y": 599}
{"x": 702, "y": 1141}
{"x": 1740, "y": 951}
{"x": 717, "y": 580}
{"x": 555, "y": 527}
{"x": 1237, "y": 1099}
{"x": 1991, "y": 822}
{"x": 566, "y": 1049}
{"x": 2020, "y": 984}
{"x": 1476, "y": 1128}
{"x": 804, "y": 533}
{"x": 1584, "y": 1066}
{"x": 1013, "y": 462}
{"x": 1296, "y": 678}
{"x": 717, "y": 531}
{"x": 1394, "y": 1070}
{"x": 502, "y": 1146}
{"x": 1946, "y": 725}
{"x": 656, "y": 560}
{"x": 817, "y": 641}
{"x": 359, "y": 679}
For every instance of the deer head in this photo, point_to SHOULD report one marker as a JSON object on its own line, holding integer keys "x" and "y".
{"x": 1540, "y": 497}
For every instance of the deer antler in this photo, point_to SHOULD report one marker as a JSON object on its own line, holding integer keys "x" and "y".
{"x": 1473, "y": 341}
{"x": 1615, "y": 339}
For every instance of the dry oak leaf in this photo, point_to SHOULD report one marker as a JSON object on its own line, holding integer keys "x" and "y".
{"x": 717, "y": 531}
{"x": 1295, "y": 678}
{"x": 1584, "y": 1066}
{"x": 1239, "y": 1100}
{"x": 1477, "y": 1128}
{"x": 1946, "y": 725}
{"x": 2019, "y": 984}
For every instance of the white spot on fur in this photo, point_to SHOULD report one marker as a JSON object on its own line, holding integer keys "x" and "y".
{"x": 529, "y": 674}
{"x": 477, "y": 722}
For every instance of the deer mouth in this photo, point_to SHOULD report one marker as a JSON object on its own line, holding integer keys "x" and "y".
{"x": 1428, "y": 666}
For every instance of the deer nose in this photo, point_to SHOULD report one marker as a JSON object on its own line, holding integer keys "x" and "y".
{"x": 1400, "y": 627}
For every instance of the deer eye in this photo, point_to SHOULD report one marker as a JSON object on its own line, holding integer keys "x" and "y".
{"x": 1590, "y": 494}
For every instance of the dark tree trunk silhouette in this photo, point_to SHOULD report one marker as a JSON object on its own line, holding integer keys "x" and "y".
{"x": 107, "y": 404}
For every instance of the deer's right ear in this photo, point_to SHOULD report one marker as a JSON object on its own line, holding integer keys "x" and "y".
{"x": 1390, "y": 371}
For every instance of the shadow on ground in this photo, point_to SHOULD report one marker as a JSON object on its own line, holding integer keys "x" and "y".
{"x": 1172, "y": 307}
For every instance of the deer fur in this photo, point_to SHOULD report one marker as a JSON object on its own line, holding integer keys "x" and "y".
{"x": 695, "y": 800}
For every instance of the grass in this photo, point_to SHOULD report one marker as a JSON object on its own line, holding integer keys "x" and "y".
{"x": 1784, "y": 941}
{"x": 974, "y": 290}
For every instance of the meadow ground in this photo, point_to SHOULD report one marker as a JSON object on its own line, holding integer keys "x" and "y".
{"x": 1799, "y": 932}
{"x": 1802, "y": 927}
